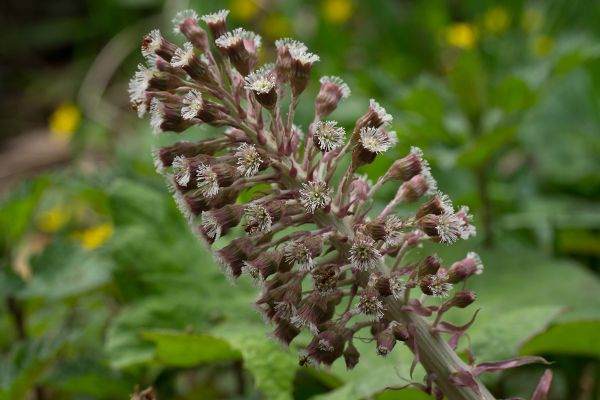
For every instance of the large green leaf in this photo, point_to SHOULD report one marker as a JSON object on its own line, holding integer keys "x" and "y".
{"x": 189, "y": 349}
{"x": 556, "y": 140}
{"x": 125, "y": 344}
{"x": 502, "y": 336}
{"x": 66, "y": 270}
{"x": 273, "y": 368}
{"x": 484, "y": 146}
{"x": 512, "y": 94}
{"x": 17, "y": 209}
{"x": 25, "y": 364}
{"x": 579, "y": 338}
{"x": 520, "y": 292}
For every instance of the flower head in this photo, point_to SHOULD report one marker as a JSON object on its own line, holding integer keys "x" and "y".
{"x": 192, "y": 104}
{"x": 439, "y": 204}
{"x": 290, "y": 44}
{"x": 393, "y": 233}
{"x": 154, "y": 44}
{"x": 261, "y": 81}
{"x": 262, "y": 84}
{"x": 137, "y": 89}
{"x": 303, "y": 57}
{"x": 303, "y": 252}
{"x": 461, "y": 270}
{"x": 376, "y": 140}
{"x": 181, "y": 170}
{"x": 333, "y": 89}
{"x": 157, "y": 115}
{"x": 210, "y": 225}
{"x": 208, "y": 182}
{"x": 376, "y": 115}
{"x": 215, "y": 17}
{"x": 258, "y": 219}
{"x": 449, "y": 228}
{"x": 436, "y": 285}
{"x": 475, "y": 259}
{"x": 297, "y": 253}
{"x": 329, "y": 136}
{"x": 219, "y": 221}
{"x": 248, "y": 159}
{"x": 397, "y": 287}
{"x": 151, "y": 42}
{"x": 181, "y": 18}
{"x": 468, "y": 230}
{"x": 216, "y": 22}
{"x": 231, "y": 39}
{"x": 314, "y": 195}
{"x": 363, "y": 253}
{"x": 338, "y": 83}
{"x": 370, "y": 304}
{"x": 183, "y": 56}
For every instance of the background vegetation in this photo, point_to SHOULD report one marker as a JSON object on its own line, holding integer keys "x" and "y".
{"x": 104, "y": 288}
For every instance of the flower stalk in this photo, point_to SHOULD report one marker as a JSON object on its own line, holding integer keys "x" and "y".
{"x": 324, "y": 263}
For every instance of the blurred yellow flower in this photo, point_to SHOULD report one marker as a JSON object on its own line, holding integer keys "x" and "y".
{"x": 496, "y": 19}
{"x": 463, "y": 35}
{"x": 532, "y": 20}
{"x": 337, "y": 11}
{"x": 542, "y": 46}
{"x": 243, "y": 9}
{"x": 64, "y": 121}
{"x": 276, "y": 26}
{"x": 53, "y": 220}
{"x": 94, "y": 237}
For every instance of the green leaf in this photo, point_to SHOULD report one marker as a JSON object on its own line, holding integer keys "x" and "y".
{"x": 273, "y": 368}
{"x": 513, "y": 94}
{"x": 25, "y": 364}
{"x": 133, "y": 202}
{"x": 373, "y": 374}
{"x": 562, "y": 130}
{"x": 125, "y": 344}
{"x": 189, "y": 349}
{"x": 17, "y": 209}
{"x": 502, "y": 336}
{"x": 468, "y": 80}
{"x": 484, "y": 146}
{"x": 520, "y": 292}
{"x": 65, "y": 270}
{"x": 559, "y": 339}
{"x": 88, "y": 376}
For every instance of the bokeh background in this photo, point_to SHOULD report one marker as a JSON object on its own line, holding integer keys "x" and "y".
{"x": 103, "y": 288}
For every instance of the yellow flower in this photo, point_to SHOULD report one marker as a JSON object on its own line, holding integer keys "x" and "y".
{"x": 64, "y": 121}
{"x": 276, "y": 26}
{"x": 53, "y": 220}
{"x": 337, "y": 11}
{"x": 94, "y": 237}
{"x": 542, "y": 46}
{"x": 243, "y": 9}
{"x": 532, "y": 20}
{"x": 463, "y": 35}
{"x": 496, "y": 19}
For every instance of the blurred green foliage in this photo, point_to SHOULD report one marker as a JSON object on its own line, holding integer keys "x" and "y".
{"x": 105, "y": 288}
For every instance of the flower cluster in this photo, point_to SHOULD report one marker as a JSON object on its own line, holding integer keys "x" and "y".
{"x": 326, "y": 261}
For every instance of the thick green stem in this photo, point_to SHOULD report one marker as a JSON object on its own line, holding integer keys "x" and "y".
{"x": 438, "y": 359}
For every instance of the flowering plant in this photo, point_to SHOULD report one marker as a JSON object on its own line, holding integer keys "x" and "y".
{"x": 327, "y": 261}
